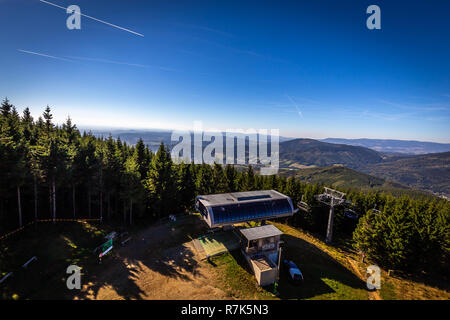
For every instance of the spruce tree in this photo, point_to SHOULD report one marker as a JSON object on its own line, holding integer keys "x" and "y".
{"x": 185, "y": 187}
{"x": 161, "y": 183}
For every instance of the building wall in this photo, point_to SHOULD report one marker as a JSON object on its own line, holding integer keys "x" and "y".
{"x": 268, "y": 277}
{"x": 263, "y": 277}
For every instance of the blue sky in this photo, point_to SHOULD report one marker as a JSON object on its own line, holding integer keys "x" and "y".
{"x": 309, "y": 68}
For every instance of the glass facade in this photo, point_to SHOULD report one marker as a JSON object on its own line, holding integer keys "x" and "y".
{"x": 233, "y": 213}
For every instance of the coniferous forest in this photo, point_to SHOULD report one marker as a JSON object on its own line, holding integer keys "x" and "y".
{"x": 53, "y": 172}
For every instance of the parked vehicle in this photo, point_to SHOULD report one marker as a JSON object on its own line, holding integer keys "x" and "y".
{"x": 295, "y": 275}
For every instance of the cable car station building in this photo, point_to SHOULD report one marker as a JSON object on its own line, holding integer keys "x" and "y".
{"x": 231, "y": 208}
{"x": 259, "y": 245}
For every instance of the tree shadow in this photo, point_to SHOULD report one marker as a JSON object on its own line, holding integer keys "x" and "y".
{"x": 175, "y": 263}
{"x": 122, "y": 281}
{"x": 159, "y": 248}
{"x": 315, "y": 264}
{"x": 58, "y": 246}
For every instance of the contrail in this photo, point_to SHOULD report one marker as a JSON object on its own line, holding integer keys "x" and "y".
{"x": 296, "y": 106}
{"x": 71, "y": 59}
{"x": 44, "y": 55}
{"x": 98, "y": 20}
{"x": 109, "y": 61}
{"x": 123, "y": 63}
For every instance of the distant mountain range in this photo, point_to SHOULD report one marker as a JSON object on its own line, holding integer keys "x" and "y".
{"x": 394, "y": 146}
{"x": 429, "y": 172}
{"x": 386, "y": 164}
{"x": 390, "y": 147}
{"x": 152, "y": 138}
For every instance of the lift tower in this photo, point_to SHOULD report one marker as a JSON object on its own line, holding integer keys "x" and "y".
{"x": 332, "y": 198}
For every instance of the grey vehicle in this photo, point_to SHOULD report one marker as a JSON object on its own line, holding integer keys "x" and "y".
{"x": 295, "y": 275}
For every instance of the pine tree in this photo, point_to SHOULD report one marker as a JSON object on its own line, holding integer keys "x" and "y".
{"x": 218, "y": 179}
{"x": 70, "y": 131}
{"x": 230, "y": 177}
{"x": 113, "y": 169}
{"x": 5, "y": 108}
{"x": 241, "y": 182}
{"x": 35, "y": 156}
{"x": 204, "y": 181}
{"x": 292, "y": 190}
{"x": 132, "y": 191}
{"x": 161, "y": 183}
{"x": 27, "y": 124}
{"x": 54, "y": 161}
{"x": 249, "y": 183}
{"x": 142, "y": 158}
{"x": 185, "y": 187}
{"x": 48, "y": 120}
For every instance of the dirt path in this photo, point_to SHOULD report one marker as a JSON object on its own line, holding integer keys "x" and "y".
{"x": 373, "y": 295}
{"x": 148, "y": 269}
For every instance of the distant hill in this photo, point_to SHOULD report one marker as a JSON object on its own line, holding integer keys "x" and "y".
{"x": 429, "y": 172}
{"x": 309, "y": 152}
{"x": 394, "y": 146}
{"x": 426, "y": 172}
{"x": 152, "y": 138}
{"x": 342, "y": 177}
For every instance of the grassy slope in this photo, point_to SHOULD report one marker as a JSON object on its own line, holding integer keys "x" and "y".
{"x": 327, "y": 270}
{"x": 325, "y": 277}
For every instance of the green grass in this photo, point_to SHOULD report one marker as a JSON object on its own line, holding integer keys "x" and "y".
{"x": 392, "y": 287}
{"x": 325, "y": 277}
{"x": 219, "y": 242}
{"x": 235, "y": 279}
{"x": 387, "y": 291}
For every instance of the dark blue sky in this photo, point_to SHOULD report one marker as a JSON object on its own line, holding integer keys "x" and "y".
{"x": 309, "y": 68}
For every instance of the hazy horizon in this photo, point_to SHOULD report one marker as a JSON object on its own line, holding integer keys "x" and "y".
{"x": 127, "y": 129}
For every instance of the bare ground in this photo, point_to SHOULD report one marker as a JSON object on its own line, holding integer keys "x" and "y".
{"x": 149, "y": 268}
